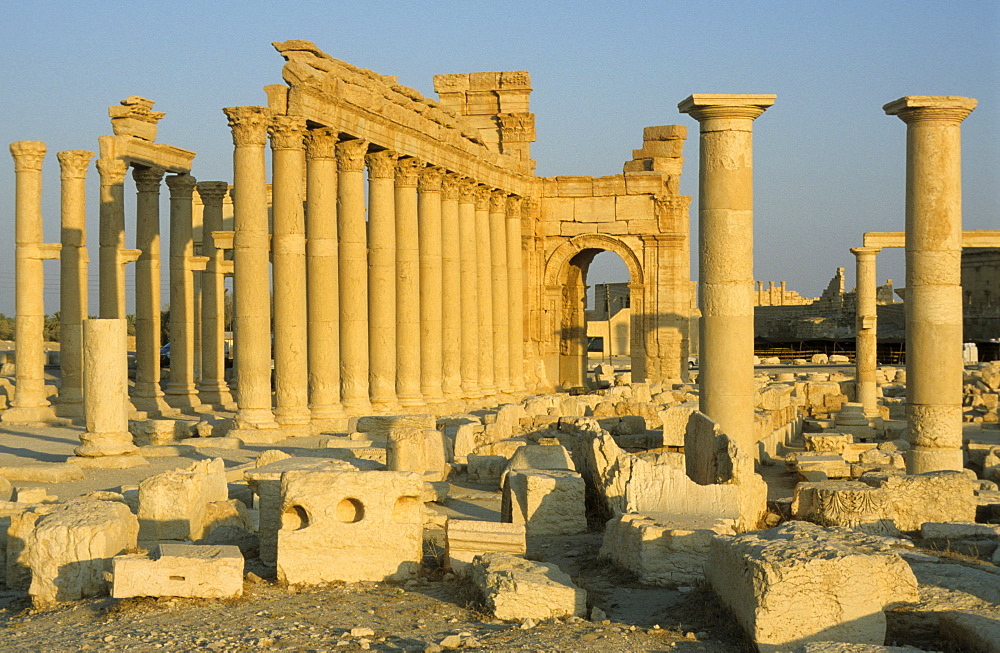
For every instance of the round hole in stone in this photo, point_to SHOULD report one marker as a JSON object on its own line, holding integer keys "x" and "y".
{"x": 294, "y": 518}
{"x": 350, "y": 511}
{"x": 405, "y": 509}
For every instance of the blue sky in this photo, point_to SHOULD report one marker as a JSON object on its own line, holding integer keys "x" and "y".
{"x": 829, "y": 164}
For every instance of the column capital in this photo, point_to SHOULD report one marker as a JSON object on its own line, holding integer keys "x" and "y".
{"x": 381, "y": 164}
{"x": 147, "y": 179}
{"x": 407, "y": 170}
{"x": 514, "y": 206}
{"x": 449, "y": 185}
{"x": 321, "y": 143}
{"x": 467, "y": 190}
{"x": 431, "y": 179}
{"x": 530, "y": 207}
{"x": 73, "y": 163}
{"x": 498, "y": 201}
{"x": 351, "y": 155}
{"x": 249, "y": 125}
{"x": 181, "y": 186}
{"x": 861, "y": 252}
{"x": 482, "y": 195}
{"x": 28, "y": 155}
{"x": 707, "y": 106}
{"x": 287, "y": 132}
{"x": 914, "y": 108}
{"x": 212, "y": 192}
{"x": 112, "y": 171}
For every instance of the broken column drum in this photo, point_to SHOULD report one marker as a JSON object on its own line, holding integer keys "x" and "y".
{"x": 106, "y": 405}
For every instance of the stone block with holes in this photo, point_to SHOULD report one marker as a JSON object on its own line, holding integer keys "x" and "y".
{"x": 349, "y": 526}
{"x": 188, "y": 570}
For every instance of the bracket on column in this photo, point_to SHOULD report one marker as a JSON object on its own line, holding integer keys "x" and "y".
{"x": 223, "y": 239}
{"x": 43, "y": 251}
{"x": 126, "y": 256}
{"x": 197, "y": 263}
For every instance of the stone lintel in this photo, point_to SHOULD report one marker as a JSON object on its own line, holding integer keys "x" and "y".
{"x": 139, "y": 152}
{"x": 970, "y": 238}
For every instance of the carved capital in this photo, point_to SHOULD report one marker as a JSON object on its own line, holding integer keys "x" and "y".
{"x": 212, "y": 192}
{"x": 249, "y": 125}
{"x": 73, "y": 163}
{"x": 28, "y": 155}
{"x": 517, "y": 127}
{"x": 381, "y": 164}
{"x": 351, "y": 155}
{"x": 514, "y": 206}
{"x": 449, "y": 186}
{"x": 483, "y": 198}
{"x": 112, "y": 171}
{"x": 915, "y": 108}
{"x": 498, "y": 201}
{"x": 430, "y": 179}
{"x": 322, "y": 143}
{"x": 181, "y": 186}
{"x": 467, "y": 190}
{"x": 287, "y": 132}
{"x": 147, "y": 180}
{"x": 406, "y": 172}
{"x": 529, "y": 207}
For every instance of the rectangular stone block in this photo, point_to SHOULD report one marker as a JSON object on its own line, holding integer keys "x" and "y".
{"x": 644, "y": 183}
{"x": 418, "y": 450}
{"x": 187, "y": 570}
{"x": 547, "y": 502}
{"x": 664, "y": 133}
{"x": 931, "y": 497}
{"x": 349, "y": 526}
{"x": 594, "y": 209}
{"x": 634, "y": 207}
{"x": 575, "y": 186}
{"x": 515, "y": 588}
{"x": 851, "y": 504}
{"x": 465, "y": 539}
{"x": 173, "y": 505}
{"x": 609, "y": 185}
{"x": 381, "y": 425}
{"x": 659, "y": 149}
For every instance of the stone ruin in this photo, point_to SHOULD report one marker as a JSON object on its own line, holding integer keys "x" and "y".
{"x": 428, "y": 338}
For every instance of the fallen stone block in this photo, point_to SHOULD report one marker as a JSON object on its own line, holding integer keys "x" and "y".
{"x": 800, "y": 582}
{"x": 173, "y": 505}
{"x": 465, "y": 539}
{"x": 185, "y": 570}
{"x": 382, "y": 425}
{"x": 972, "y": 630}
{"x": 843, "y": 647}
{"x": 538, "y": 456}
{"x": 43, "y": 472}
{"x": 486, "y": 469}
{"x": 826, "y": 442}
{"x": 850, "y": 504}
{"x": 515, "y": 588}
{"x": 662, "y": 549}
{"x": 418, "y": 450}
{"x": 547, "y": 502}
{"x": 931, "y": 497}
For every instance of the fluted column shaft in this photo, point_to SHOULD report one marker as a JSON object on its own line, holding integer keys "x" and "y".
{"x": 933, "y": 304}
{"x": 251, "y": 282}
{"x": 212, "y": 386}
{"x": 181, "y": 391}
{"x": 111, "y": 238}
{"x": 353, "y": 264}
{"x": 72, "y": 278}
{"x": 451, "y": 290}
{"x": 407, "y": 285}
{"x": 500, "y": 291}
{"x": 431, "y": 280}
{"x": 725, "y": 219}
{"x": 866, "y": 329}
{"x": 469, "y": 275}
{"x": 382, "y": 279}
{"x": 484, "y": 275}
{"x": 288, "y": 258}
{"x": 515, "y": 294}
{"x": 322, "y": 275}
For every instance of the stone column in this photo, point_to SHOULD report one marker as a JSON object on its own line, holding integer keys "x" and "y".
{"x": 146, "y": 394}
{"x": 181, "y": 391}
{"x": 484, "y": 276}
{"x": 106, "y": 442}
{"x": 30, "y": 402}
{"x": 381, "y": 279}
{"x": 866, "y": 329}
{"x": 322, "y": 284}
{"x": 353, "y": 279}
{"x": 407, "y": 284}
{"x": 500, "y": 291}
{"x": 431, "y": 282}
{"x": 251, "y": 281}
{"x": 111, "y": 238}
{"x": 212, "y": 386}
{"x": 288, "y": 259}
{"x": 470, "y": 296}
{"x": 515, "y": 294}
{"x": 72, "y": 278}
{"x": 725, "y": 219}
{"x": 451, "y": 290}
{"x": 933, "y": 277}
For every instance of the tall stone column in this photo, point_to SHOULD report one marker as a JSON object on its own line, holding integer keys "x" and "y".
{"x": 431, "y": 282}
{"x": 470, "y": 295}
{"x": 515, "y": 294}
{"x": 484, "y": 275}
{"x": 933, "y": 277}
{"x": 382, "y": 279}
{"x": 725, "y": 219}
{"x": 500, "y": 291}
{"x": 72, "y": 278}
{"x": 30, "y": 402}
{"x": 288, "y": 258}
{"x": 353, "y": 262}
{"x": 407, "y": 284}
{"x": 251, "y": 282}
{"x": 322, "y": 285}
{"x": 451, "y": 290}
{"x": 146, "y": 394}
{"x": 181, "y": 391}
{"x": 866, "y": 330}
{"x": 111, "y": 238}
{"x": 212, "y": 386}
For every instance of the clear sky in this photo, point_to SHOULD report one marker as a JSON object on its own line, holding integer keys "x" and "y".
{"x": 829, "y": 165}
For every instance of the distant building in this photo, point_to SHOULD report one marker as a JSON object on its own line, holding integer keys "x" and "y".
{"x": 981, "y": 293}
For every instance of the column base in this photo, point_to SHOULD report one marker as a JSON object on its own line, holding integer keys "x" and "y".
{"x": 255, "y": 419}
{"x": 32, "y": 415}
{"x": 381, "y": 407}
{"x": 215, "y": 395}
{"x": 154, "y": 405}
{"x": 105, "y": 445}
{"x": 123, "y": 461}
{"x": 330, "y": 425}
{"x": 184, "y": 397}
{"x": 251, "y": 436}
{"x": 410, "y": 400}
{"x": 298, "y": 416}
{"x": 920, "y": 460}
{"x": 69, "y": 407}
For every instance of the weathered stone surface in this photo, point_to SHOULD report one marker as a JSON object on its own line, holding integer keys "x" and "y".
{"x": 843, "y": 647}
{"x": 186, "y": 570}
{"x": 418, "y": 450}
{"x": 43, "y": 472}
{"x": 850, "y": 504}
{"x": 662, "y": 549}
{"x": 547, "y": 502}
{"x": 173, "y": 505}
{"x": 848, "y": 579}
{"x": 465, "y": 539}
{"x": 349, "y": 526}
{"x": 934, "y": 496}
{"x": 674, "y": 422}
{"x": 538, "y": 456}
{"x": 972, "y": 630}
{"x": 381, "y": 425}
{"x": 515, "y": 588}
